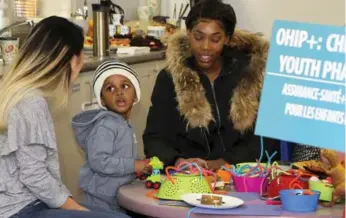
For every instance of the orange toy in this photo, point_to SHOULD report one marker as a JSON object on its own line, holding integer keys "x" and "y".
{"x": 336, "y": 170}
{"x": 224, "y": 174}
{"x": 90, "y": 32}
{"x": 315, "y": 165}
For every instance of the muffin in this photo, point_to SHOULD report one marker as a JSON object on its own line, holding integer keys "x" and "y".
{"x": 211, "y": 200}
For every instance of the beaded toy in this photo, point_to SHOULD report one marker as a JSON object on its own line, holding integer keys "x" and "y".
{"x": 154, "y": 180}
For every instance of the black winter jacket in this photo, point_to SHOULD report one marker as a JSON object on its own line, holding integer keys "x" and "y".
{"x": 190, "y": 117}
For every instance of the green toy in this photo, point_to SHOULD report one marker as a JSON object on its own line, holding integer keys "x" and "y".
{"x": 154, "y": 180}
{"x": 185, "y": 178}
{"x": 183, "y": 183}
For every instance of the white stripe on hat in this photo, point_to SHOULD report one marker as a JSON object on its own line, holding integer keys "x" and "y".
{"x": 111, "y": 65}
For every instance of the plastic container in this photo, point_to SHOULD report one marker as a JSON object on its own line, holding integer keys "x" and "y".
{"x": 253, "y": 184}
{"x": 294, "y": 201}
{"x": 156, "y": 31}
{"x": 183, "y": 183}
{"x": 251, "y": 164}
{"x": 326, "y": 190}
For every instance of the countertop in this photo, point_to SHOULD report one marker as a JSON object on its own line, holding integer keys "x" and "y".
{"x": 90, "y": 62}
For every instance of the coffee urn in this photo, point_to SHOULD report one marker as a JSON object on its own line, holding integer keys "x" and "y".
{"x": 101, "y": 30}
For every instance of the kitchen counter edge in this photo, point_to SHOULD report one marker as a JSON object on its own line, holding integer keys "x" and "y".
{"x": 91, "y": 63}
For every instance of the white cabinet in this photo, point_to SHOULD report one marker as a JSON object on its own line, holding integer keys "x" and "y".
{"x": 71, "y": 155}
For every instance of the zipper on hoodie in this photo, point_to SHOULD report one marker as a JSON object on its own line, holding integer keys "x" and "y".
{"x": 218, "y": 115}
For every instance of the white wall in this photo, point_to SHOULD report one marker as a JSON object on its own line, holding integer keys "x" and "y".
{"x": 129, "y": 6}
{"x": 259, "y": 15}
{"x": 49, "y": 7}
{"x": 59, "y": 7}
{"x": 167, "y": 7}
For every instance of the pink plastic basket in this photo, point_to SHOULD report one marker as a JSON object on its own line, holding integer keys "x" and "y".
{"x": 252, "y": 184}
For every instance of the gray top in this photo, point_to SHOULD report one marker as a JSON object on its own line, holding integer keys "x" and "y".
{"x": 109, "y": 143}
{"x": 29, "y": 165}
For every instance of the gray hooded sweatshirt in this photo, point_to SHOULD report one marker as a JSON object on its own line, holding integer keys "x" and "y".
{"x": 109, "y": 143}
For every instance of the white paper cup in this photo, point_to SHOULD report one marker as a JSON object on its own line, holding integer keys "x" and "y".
{"x": 9, "y": 47}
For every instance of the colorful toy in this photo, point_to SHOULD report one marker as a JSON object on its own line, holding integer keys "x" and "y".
{"x": 154, "y": 180}
{"x": 224, "y": 174}
{"x": 314, "y": 179}
{"x": 326, "y": 190}
{"x": 185, "y": 178}
{"x": 314, "y": 166}
{"x": 253, "y": 177}
{"x": 250, "y": 184}
{"x": 143, "y": 176}
{"x": 336, "y": 170}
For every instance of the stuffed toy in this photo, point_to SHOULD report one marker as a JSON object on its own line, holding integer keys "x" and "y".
{"x": 336, "y": 171}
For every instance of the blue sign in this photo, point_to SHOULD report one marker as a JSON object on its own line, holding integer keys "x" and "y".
{"x": 303, "y": 98}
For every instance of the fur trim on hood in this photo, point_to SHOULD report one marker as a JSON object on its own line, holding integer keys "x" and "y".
{"x": 192, "y": 102}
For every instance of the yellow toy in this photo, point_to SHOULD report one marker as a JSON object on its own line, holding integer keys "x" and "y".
{"x": 336, "y": 171}
{"x": 154, "y": 180}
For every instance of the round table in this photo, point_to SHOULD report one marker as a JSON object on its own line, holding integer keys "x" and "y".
{"x": 133, "y": 197}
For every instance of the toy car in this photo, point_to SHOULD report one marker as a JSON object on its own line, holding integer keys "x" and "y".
{"x": 142, "y": 176}
{"x": 154, "y": 180}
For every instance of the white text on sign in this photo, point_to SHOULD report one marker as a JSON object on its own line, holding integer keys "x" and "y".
{"x": 308, "y": 67}
{"x": 298, "y": 38}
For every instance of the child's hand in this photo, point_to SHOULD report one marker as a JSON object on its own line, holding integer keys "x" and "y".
{"x": 147, "y": 169}
{"x": 141, "y": 166}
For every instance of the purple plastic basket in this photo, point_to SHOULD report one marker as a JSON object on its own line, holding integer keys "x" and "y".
{"x": 253, "y": 184}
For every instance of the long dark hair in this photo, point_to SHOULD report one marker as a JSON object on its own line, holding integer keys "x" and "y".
{"x": 43, "y": 63}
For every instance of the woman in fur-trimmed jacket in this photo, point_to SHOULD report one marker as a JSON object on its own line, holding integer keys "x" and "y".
{"x": 205, "y": 102}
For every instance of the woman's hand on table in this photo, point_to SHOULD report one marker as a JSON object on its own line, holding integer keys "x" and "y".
{"x": 215, "y": 165}
{"x": 200, "y": 162}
